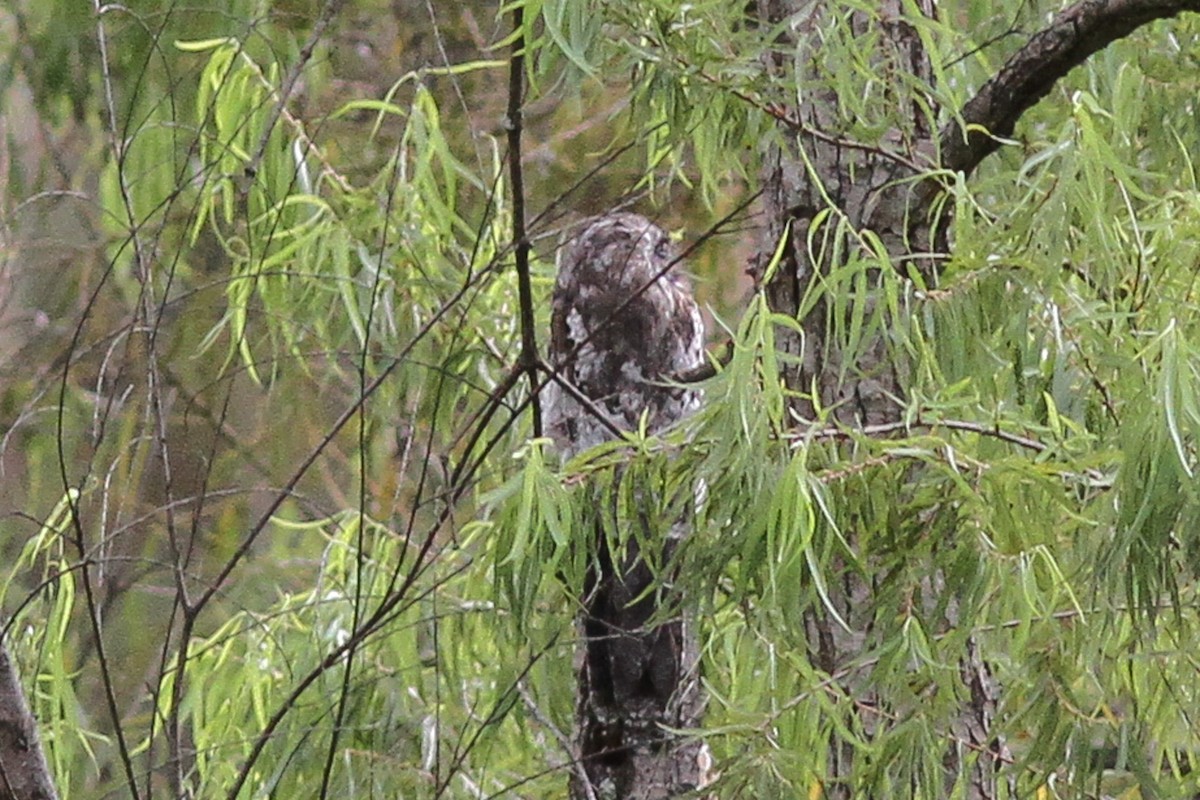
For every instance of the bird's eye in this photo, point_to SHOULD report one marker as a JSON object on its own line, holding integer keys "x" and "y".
{"x": 663, "y": 249}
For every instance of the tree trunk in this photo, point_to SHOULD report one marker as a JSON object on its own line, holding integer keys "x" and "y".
{"x": 849, "y": 187}
{"x": 865, "y": 184}
{"x": 638, "y": 679}
{"x": 23, "y": 771}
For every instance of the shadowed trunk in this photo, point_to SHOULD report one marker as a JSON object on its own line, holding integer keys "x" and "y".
{"x": 639, "y": 677}
{"x": 23, "y": 771}
{"x": 858, "y": 208}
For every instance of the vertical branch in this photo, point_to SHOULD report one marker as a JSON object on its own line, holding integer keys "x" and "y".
{"x": 93, "y": 605}
{"x": 24, "y": 774}
{"x": 516, "y": 88}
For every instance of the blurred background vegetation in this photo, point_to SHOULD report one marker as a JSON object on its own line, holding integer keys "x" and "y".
{"x": 247, "y": 362}
{"x": 126, "y": 334}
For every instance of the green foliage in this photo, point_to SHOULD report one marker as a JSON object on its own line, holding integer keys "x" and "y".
{"x": 279, "y": 501}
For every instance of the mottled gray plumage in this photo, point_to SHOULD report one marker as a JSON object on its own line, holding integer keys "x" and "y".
{"x": 624, "y": 321}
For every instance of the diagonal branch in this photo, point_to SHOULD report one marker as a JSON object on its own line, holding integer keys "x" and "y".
{"x": 24, "y": 774}
{"x": 1030, "y": 74}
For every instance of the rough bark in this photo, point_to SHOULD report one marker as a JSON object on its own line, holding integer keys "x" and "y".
{"x": 866, "y": 183}
{"x": 638, "y": 680}
{"x": 872, "y": 187}
{"x": 24, "y": 774}
{"x": 875, "y": 187}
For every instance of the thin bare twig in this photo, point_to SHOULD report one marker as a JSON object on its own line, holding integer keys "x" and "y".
{"x": 564, "y": 742}
{"x": 513, "y": 123}
{"x": 328, "y": 11}
{"x": 583, "y": 400}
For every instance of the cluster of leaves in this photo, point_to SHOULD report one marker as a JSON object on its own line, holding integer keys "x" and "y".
{"x": 368, "y": 584}
{"x": 1037, "y": 503}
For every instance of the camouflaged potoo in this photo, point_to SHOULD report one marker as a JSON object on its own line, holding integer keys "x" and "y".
{"x": 624, "y": 321}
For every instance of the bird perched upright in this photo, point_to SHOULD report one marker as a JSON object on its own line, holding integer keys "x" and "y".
{"x": 624, "y": 321}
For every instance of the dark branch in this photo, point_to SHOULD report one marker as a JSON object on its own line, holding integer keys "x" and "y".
{"x": 516, "y": 88}
{"x": 1031, "y": 73}
{"x": 717, "y": 358}
{"x": 24, "y": 774}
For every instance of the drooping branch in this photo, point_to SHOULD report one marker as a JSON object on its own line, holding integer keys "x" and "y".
{"x": 1031, "y": 73}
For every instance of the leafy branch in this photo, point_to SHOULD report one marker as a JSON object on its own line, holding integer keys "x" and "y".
{"x": 1076, "y": 33}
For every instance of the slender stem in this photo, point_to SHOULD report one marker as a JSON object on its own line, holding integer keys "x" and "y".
{"x": 516, "y": 88}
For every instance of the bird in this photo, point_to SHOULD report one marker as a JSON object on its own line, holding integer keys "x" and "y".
{"x": 624, "y": 320}
{"x": 624, "y": 323}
